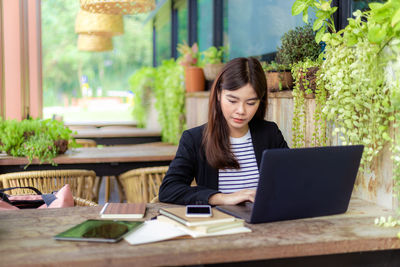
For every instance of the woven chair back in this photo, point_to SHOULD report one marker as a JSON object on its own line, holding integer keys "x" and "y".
{"x": 80, "y": 202}
{"x": 141, "y": 185}
{"x": 80, "y": 181}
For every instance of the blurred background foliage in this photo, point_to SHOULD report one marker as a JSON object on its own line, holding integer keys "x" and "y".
{"x": 64, "y": 65}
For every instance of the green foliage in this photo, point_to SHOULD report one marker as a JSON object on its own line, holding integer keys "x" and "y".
{"x": 64, "y": 64}
{"x": 213, "y": 55}
{"x": 170, "y": 100}
{"x": 305, "y": 74}
{"x": 142, "y": 84}
{"x": 41, "y": 139}
{"x": 274, "y": 66}
{"x": 323, "y": 11}
{"x": 297, "y": 45}
{"x": 362, "y": 101}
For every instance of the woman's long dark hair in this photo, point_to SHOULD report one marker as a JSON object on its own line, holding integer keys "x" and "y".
{"x": 237, "y": 73}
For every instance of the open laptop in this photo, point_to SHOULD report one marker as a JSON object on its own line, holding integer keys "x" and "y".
{"x": 301, "y": 183}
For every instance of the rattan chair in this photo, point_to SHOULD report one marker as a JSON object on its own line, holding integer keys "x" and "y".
{"x": 84, "y": 202}
{"x": 141, "y": 185}
{"x": 80, "y": 181}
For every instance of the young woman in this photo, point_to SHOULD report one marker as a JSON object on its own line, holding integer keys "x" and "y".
{"x": 224, "y": 155}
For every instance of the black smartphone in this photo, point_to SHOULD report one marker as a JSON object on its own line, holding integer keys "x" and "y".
{"x": 198, "y": 211}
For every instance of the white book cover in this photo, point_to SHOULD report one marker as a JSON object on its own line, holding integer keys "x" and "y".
{"x": 154, "y": 231}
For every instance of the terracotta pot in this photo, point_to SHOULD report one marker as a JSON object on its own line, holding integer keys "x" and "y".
{"x": 194, "y": 79}
{"x": 274, "y": 77}
{"x": 212, "y": 70}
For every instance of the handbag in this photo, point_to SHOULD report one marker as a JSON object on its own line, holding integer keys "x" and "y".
{"x": 61, "y": 198}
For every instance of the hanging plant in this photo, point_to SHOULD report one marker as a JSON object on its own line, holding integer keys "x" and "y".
{"x": 360, "y": 99}
{"x": 305, "y": 74}
{"x": 142, "y": 84}
{"x": 170, "y": 100}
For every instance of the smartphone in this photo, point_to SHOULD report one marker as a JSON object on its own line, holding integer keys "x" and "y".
{"x": 198, "y": 211}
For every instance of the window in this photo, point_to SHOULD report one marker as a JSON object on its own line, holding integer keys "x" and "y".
{"x": 89, "y": 86}
{"x": 256, "y": 28}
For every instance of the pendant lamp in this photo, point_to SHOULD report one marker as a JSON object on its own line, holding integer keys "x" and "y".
{"x": 99, "y": 24}
{"x": 94, "y": 43}
{"x": 118, "y": 7}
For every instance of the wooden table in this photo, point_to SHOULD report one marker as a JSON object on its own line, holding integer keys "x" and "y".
{"x": 105, "y": 161}
{"x": 116, "y": 135}
{"x": 340, "y": 240}
{"x": 99, "y": 123}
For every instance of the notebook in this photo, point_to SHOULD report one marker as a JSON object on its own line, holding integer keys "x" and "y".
{"x": 301, "y": 183}
{"x": 123, "y": 210}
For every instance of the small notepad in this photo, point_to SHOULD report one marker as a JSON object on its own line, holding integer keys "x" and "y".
{"x": 123, "y": 210}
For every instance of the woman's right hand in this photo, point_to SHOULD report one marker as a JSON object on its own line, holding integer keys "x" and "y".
{"x": 233, "y": 198}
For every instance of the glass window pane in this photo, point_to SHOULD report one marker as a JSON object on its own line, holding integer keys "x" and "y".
{"x": 205, "y": 24}
{"x": 183, "y": 23}
{"x": 255, "y": 27}
{"x": 89, "y": 86}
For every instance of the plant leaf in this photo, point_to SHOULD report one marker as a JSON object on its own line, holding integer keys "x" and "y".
{"x": 396, "y": 18}
{"x": 298, "y": 7}
{"x": 318, "y": 24}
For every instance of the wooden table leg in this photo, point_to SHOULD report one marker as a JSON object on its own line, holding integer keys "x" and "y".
{"x": 107, "y": 189}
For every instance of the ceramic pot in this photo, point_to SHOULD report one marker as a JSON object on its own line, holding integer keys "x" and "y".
{"x": 212, "y": 70}
{"x": 194, "y": 79}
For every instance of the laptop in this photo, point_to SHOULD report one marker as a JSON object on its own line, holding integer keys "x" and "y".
{"x": 301, "y": 183}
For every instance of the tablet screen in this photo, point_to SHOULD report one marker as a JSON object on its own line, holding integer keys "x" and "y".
{"x": 98, "y": 231}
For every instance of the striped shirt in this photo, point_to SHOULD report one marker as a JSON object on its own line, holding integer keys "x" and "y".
{"x": 232, "y": 180}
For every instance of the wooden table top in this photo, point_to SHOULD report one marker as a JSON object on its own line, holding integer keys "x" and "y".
{"x": 99, "y": 123}
{"x": 115, "y": 131}
{"x": 26, "y": 238}
{"x": 125, "y": 153}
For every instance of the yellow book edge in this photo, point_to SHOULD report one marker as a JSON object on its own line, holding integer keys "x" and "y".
{"x": 205, "y": 229}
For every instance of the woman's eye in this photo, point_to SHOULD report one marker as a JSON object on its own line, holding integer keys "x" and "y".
{"x": 232, "y": 101}
{"x": 251, "y": 103}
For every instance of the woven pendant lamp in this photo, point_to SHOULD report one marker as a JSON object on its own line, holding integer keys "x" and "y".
{"x": 94, "y": 43}
{"x": 99, "y": 24}
{"x": 118, "y": 7}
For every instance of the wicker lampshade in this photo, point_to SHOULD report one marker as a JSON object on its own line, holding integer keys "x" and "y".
{"x": 120, "y": 7}
{"x": 94, "y": 43}
{"x": 99, "y": 24}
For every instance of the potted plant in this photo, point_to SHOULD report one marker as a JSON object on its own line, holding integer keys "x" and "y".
{"x": 194, "y": 75}
{"x": 41, "y": 139}
{"x": 213, "y": 62}
{"x": 278, "y": 76}
{"x": 296, "y": 45}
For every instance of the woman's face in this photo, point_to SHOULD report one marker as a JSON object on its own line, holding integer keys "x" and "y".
{"x": 238, "y": 108}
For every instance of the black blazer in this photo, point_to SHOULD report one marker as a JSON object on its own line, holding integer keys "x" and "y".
{"x": 190, "y": 162}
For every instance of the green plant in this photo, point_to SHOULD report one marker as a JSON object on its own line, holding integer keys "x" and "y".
{"x": 274, "y": 66}
{"x": 170, "y": 100}
{"x": 362, "y": 102}
{"x": 297, "y": 45}
{"x": 305, "y": 74}
{"x": 142, "y": 84}
{"x": 189, "y": 54}
{"x": 213, "y": 55}
{"x": 41, "y": 139}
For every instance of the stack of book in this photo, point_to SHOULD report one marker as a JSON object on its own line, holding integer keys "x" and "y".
{"x": 172, "y": 223}
{"x": 198, "y": 226}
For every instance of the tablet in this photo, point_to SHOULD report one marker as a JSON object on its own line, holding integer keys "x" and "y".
{"x": 99, "y": 231}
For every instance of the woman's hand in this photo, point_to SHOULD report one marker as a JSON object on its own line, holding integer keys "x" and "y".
{"x": 232, "y": 198}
